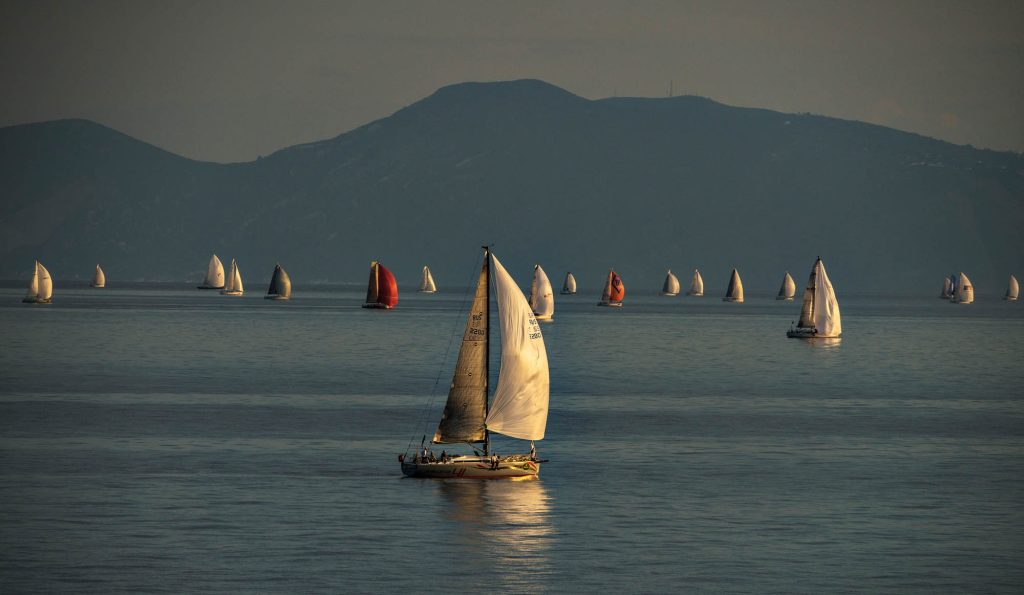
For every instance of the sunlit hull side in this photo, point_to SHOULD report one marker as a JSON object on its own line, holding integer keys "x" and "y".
{"x": 784, "y": 298}
{"x": 276, "y": 298}
{"x": 516, "y": 467}
{"x": 35, "y": 300}
{"x": 610, "y": 304}
{"x": 667, "y": 294}
{"x": 230, "y": 292}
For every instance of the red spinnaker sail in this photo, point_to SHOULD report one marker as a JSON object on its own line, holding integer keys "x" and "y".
{"x": 387, "y": 288}
{"x": 618, "y": 290}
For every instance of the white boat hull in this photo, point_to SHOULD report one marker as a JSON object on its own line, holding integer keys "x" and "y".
{"x": 610, "y": 304}
{"x": 667, "y": 294}
{"x": 35, "y": 300}
{"x": 101, "y": 286}
{"x": 276, "y": 298}
{"x": 514, "y": 467}
{"x": 784, "y": 298}
{"x": 377, "y": 306}
{"x": 734, "y": 300}
{"x": 230, "y": 292}
{"x": 806, "y": 333}
{"x": 427, "y": 291}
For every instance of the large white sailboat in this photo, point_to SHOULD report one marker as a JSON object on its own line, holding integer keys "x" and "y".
{"x": 964, "y": 291}
{"x": 40, "y": 287}
{"x": 788, "y": 289}
{"x": 1012, "y": 290}
{"x": 734, "y": 293}
{"x": 214, "y": 275}
{"x": 569, "y": 286}
{"x": 280, "y": 285}
{"x": 99, "y": 279}
{"x": 427, "y": 284}
{"x": 696, "y": 285}
{"x": 234, "y": 284}
{"x": 671, "y": 285}
{"x": 819, "y": 314}
{"x": 542, "y": 299}
{"x": 519, "y": 407}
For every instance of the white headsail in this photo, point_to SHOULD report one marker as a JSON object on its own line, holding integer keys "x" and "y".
{"x": 788, "y": 289}
{"x": 520, "y": 405}
{"x": 1013, "y": 289}
{"x": 40, "y": 288}
{"x": 964, "y": 290}
{"x": 214, "y": 274}
{"x": 696, "y": 285}
{"x": 569, "y": 287}
{"x": 99, "y": 279}
{"x": 827, "y": 320}
{"x": 427, "y": 284}
{"x": 33, "y": 283}
{"x": 542, "y": 300}
{"x": 734, "y": 293}
{"x": 671, "y": 285}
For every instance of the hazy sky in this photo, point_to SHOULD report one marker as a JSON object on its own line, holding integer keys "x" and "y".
{"x": 228, "y": 81}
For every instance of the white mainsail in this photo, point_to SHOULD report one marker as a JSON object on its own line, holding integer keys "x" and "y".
{"x": 1013, "y": 289}
{"x": 734, "y": 293}
{"x": 542, "y": 299}
{"x": 520, "y": 405}
{"x": 696, "y": 285}
{"x": 964, "y": 291}
{"x": 569, "y": 287}
{"x": 427, "y": 285}
{"x": 788, "y": 289}
{"x": 99, "y": 279}
{"x": 214, "y": 274}
{"x": 671, "y": 285}
{"x": 33, "y": 284}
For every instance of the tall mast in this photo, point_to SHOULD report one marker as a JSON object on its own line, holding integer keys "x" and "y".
{"x": 487, "y": 351}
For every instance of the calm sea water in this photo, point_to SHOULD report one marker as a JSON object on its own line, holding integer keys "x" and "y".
{"x": 164, "y": 439}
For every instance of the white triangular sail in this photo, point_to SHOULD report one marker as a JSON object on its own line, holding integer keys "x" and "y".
{"x": 827, "y": 321}
{"x": 734, "y": 293}
{"x": 427, "y": 285}
{"x": 788, "y": 288}
{"x": 236, "y": 283}
{"x": 99, "y": 279}
{"x": 33, "y": 284}
{"x": 696, "y": 285}
{"x": 280, "y": 284}
{"x": 569, "y": 286}
{"x": 964, "y": 290}
{"x": 214, "y": 274}
{"x": 520, "y": 405}
{"x": 671, "y": 285}
{"x": 40, "y": 288}
{"x": 1013, "y": 289}
{"x": 542, "y": 299}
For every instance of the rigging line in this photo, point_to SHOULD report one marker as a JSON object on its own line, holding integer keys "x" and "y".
{"x": 422, "y": 421}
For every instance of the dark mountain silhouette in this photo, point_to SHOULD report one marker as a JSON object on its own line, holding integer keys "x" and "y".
{"x": 544, "y": 175}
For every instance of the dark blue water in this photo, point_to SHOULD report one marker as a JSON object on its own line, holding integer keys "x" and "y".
{"x": 166, "y": 439}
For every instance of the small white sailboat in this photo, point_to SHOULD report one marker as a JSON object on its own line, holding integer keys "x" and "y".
{"x": 613, "y": 292}
{"x": 99, "y": 279}
{"x": 280, "y": 285}
{"x": 788, "y": 289}
{"x": 519, "y": 407}
{"x": 542, "y": 299}
{"x": 964, "y": 293}
{"x": 947, "y": 288}
{"x": 671, "y": 285}
{"x": 734, "y": 293}
{"x": 234, "y": 284}
{"x": 214, "y": 275}
{"x": 1012, "y": 290}
{"x": 569, "y": 286}
{"x": 427, "y": 284}
{"x": 40, "y": 287}
{"x": 819, "y": 314}
{"x": 696, "y": 285}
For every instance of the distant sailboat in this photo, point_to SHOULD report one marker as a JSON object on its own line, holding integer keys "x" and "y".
{"x": 382, "y": 291}
{"x": 98, "y": 279}
{"x": 947, "y": 288}
{"x": 542, "y": 299}
{"x": 819, "y": 315}
{"x": 280, "y": 285}
{"x": 671, "y": 285}
{"x": 964, "y": 291}
{"x": 519, "y": 407}
{"x": 788, "y": 289}
{"x": 696, "y": 285}
{"x": 1012, "y": 290}
{"x": 734, "y": 293}
{"x": 214, "y": 275}
{"x": 953, "y": 280}
{"x": 234, "y": 284}
{"x": 613, "y": 292}
{"x": 427, "y": 285}
{"x": 569, "y": 286}
{"x": 40, "y": 288}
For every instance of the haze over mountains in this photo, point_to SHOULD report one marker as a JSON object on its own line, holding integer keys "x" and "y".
{"x": 544, "y": 175}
